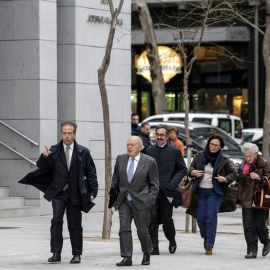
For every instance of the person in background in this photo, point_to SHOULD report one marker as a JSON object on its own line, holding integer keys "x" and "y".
{"x": 174, "y": 140}
{"x": 144, "y": 135}
{"x": 253, "y": 170}
{"x": 211, "y": 170}
{"x": 134, "y": 123}
{"x": 135, "y": 179}
{"x": 171, "y": 169}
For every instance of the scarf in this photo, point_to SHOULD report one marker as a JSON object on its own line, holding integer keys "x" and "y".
{"x": 210, "y": 157}
{"x": 245, "y": 168}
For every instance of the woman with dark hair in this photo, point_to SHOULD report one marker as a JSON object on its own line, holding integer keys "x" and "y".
{"x": 253, "y": 174}
{"x": 211, "y": 170}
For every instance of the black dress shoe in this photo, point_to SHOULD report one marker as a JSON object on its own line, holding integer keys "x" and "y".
{"x": 56, "y": 257}
{"x": 125, "y": 262}
{"x": 251, "y": 255}
{"x": 266, "y": 249}
{"x": 75, "y": 259}
{"x": 146, "y": 259}
{"x": 172, "y": 247}
{"x": 154, "y": 251}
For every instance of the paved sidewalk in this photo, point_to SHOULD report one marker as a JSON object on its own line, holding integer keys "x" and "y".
{"x": 25, "y": 244}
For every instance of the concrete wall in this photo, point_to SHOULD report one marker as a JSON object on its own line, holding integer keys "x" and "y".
{"x": 27, "y": 85}
{"x": 49, "y": 57}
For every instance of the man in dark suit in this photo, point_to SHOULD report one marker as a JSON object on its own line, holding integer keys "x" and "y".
{"x": 73, "y": 187}
{"x": 135, "y": 178}
{"x": 144, "y": 135}
{"x": 171, "y": 168}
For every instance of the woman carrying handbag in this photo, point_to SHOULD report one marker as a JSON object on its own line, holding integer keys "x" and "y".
{"x": 211, "y": 171}
{"x": 253, "y": 176}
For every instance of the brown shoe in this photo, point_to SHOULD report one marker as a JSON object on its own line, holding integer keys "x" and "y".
{"x": 208, "y": 251}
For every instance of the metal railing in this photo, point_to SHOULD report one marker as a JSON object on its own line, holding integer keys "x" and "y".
{"x": 14, "y": 151}
{"x": 17, "y": 132}
{"x": 23, "y": 136}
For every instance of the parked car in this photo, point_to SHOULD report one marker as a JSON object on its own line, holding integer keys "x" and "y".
{"x": 199, "y": 134}
{"x": 232, "y": 124}
{"x": 254, "y": 135}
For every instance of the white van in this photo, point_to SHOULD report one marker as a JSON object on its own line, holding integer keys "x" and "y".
{"x": 233, "y": 125}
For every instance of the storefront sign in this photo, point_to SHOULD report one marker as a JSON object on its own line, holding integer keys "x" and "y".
{"x": 184, "y": 36}
{"x": 170, "y": 61}
{"x": 101, "y": 19}
{"x": 238, "y": 34}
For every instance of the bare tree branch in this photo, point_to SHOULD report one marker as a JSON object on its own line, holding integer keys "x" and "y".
{"x": 107, "y": 221}
{"x": 158, "y": 88}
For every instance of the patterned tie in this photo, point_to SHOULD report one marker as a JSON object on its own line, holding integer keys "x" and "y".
{"x": 130, "y": 175}
{"x": 67, "y": 156}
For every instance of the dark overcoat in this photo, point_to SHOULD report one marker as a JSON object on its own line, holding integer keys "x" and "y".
{"x": 43, "y": 178}
{"x": 171, "y": 169}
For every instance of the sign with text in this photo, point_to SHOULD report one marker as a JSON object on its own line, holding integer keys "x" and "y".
{"x": 170, "y": 62}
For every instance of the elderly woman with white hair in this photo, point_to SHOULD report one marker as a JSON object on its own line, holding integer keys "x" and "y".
{"x": 252, "y": 175}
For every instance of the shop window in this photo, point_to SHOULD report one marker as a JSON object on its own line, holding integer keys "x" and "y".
{"x": 145, "y": 104}
{"x": 170, "y": 98}
{"x": 134, "y": 101}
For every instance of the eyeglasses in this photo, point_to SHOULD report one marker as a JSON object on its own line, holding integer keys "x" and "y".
{"x": 160, "y": 135}
{"x": 214, "y": 145}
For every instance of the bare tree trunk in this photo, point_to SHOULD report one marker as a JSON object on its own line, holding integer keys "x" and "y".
{"x": 187, "y": 66}
{"x": 266, "y": 58}
{"x": 107, "y": 221}
{"x": 158, "y": 88}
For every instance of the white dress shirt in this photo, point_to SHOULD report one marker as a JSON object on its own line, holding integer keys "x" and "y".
{"x": 136, "y": 161}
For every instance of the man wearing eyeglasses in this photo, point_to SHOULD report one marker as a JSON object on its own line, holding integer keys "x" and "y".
{"x": 171, "y": 168}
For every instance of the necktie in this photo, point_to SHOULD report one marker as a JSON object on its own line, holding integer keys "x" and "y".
{"x": 130, "y": 175}
{"x": 67, "y": 156}
{"x": 130, "y": 170}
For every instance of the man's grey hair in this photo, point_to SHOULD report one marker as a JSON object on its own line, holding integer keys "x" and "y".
{"x": 253, "y": 148}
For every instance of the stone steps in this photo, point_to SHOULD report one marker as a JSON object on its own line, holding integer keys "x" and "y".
{"x": 12, "y": 207}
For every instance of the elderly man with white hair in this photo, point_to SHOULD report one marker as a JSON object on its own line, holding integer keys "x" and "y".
{"x": 253, "y": 174}
{"x": 135, "y": 180}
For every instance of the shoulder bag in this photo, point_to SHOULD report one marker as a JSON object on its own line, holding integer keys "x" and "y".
{"x": 186, "y": 188}
{"x": 261, "y": 198}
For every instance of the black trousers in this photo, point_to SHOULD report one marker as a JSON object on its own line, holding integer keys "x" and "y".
{"x": 127, "y": 212}
{"x": 74, "y": 221}
{"x": 254, "y": 223}
{"x": 161, "y": 213}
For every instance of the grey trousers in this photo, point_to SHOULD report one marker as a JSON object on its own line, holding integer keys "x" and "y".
{"x": 127, "y": 212}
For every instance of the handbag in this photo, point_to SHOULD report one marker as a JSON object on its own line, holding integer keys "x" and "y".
{"x": 230, "y": 192}
{"x": 261, "y": 198}
{"x": 186, "y": 188}
{"x": 113, "y": 196}
{"x": 227, "y": 205}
